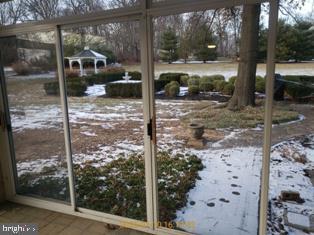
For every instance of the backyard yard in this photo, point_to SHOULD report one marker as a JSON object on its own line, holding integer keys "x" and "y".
{"x": 212, "y": 184}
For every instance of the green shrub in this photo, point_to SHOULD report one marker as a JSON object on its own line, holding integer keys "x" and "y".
{"x": 232, "y": 80}
{"x": 228, "y": 89}
{"x": 206, "y": 84}
{"x": 105, "y": 77}
{"x": 90, "y": 81}
{"x": 111, "y": 69}
{"x": 194, "y": 81}
{"x": 135, "y": 75}
{"x": 216, "y": 77}
{"x": 184, "y": 80}
{"x": 159, "y": 85}
{"x": 171, "y": 77}
{"x": 205, "y": 87}
{"x": 172, "y": 89}
{"x": 219, "y": 85}
{"x": 75, "y": 87}
{"x": 119, "y": 186}
{"x": 193, "y": 90}
{"x": 195, "y": 77}
{"x": 52, "y": 88}
{"x": 299, "y": 86}
{"x": 125, "y": 90}
{"x": 260, "y": 84}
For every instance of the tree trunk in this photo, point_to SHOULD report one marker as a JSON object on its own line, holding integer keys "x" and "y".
{"x": 244, "y": 94}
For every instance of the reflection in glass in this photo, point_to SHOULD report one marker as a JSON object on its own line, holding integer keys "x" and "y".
{"x": 291, "y": 189}
{"x": 36, "y": 117}
{"x": 106, "y": 118}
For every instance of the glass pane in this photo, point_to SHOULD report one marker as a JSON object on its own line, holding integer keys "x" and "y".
{"x": 291, "y": 190}
{"x": 106, "y": 118}
{"x": 18, "y": 11}
{"x": 209, "y": 153}
{"x": 29, "y": 63}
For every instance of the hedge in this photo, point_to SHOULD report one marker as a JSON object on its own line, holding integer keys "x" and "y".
{"x": 124, "y": 90}
{"x": 75, "y": 87}
{"x": 169, "y": 77}
{"x": 194, "y": 81}
{"x": 206, "y": 84}
{"x": 52, "y": 88}
{"x": 172, "y": 89}
{"x": 184, "y": 80}
{"x": 299, "y": 86}
{"x": 136, "y": 89}
{"x": 260, "y": 83}
{"x": 228, "y": 89}
{"x": 135, "y": 75}
{"x": 219, "y": 85}
{"x": 232, "y": 80}
{"x": 104, "y": 77}
{"x": 193, "y": 90}
{"x": 213, "y": 78}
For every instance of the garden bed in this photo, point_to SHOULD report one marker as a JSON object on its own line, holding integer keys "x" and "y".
{"x": 120, "y": 184}
{"x": 214, "y": 117}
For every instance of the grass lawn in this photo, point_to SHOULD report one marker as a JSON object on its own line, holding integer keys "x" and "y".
{"x": 226, "y": 69}
{"x": 220, "y": 117}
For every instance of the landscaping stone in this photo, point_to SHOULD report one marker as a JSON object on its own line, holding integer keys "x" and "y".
{"x": 291, "y": 196}
{"x": 299, "y": 221}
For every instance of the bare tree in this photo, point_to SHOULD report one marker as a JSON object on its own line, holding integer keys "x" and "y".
{"x": 42, "y": 9}
{"x": 12, "y": 12}
{"x": 78, "y": 7}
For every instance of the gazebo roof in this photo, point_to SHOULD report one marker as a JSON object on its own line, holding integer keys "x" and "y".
{"x": 88, "y": 53}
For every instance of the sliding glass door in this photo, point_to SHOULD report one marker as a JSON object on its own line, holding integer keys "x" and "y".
{"x": 106, "y": 117}
{"x": 37, "y": 133}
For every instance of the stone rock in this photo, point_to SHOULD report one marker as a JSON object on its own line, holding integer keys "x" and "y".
{"x": 291, "y": 196}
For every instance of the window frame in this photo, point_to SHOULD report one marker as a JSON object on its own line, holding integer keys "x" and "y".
{"x": 143, "y": 13}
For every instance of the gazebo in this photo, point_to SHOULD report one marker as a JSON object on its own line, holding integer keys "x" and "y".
{"x": 87, "y": 54}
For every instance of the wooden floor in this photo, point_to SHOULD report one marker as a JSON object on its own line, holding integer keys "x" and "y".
{"x": 53, "y": 223}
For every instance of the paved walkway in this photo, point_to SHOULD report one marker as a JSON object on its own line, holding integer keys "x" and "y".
{"x": 53, "y": 223}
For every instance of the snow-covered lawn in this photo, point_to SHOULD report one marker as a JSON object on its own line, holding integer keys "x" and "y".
{"x": 225, "y": 198}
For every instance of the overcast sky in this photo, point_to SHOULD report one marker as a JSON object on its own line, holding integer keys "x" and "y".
{"x": 307, "y": 10}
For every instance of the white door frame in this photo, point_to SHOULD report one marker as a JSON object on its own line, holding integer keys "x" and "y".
{"x": 143, "y": 13}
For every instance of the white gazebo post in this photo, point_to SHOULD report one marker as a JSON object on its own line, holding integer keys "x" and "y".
{"x": 70, "y": 64}
{"x": 95, "y": 62}
{"x": 81, "y": 67}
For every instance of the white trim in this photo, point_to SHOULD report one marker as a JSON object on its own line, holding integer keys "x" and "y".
{"x": 146, "y": 113}
{"x": 122, "y": 14}
{"x": 72, "y": 21}
{"x": 6, "y": 162}
{"x": 270, "y": 74}
{"x": 64, "y": 104}
{"x": 63, "y": 207}
{"x": 144, "y": 13}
